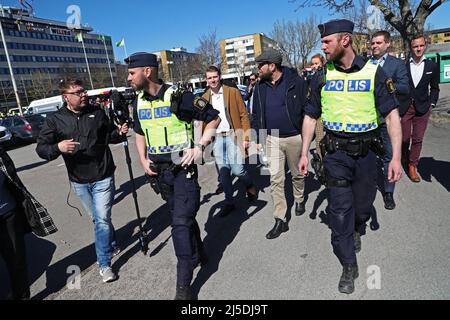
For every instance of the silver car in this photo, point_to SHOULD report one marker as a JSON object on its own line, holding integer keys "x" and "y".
{"x": 5, "y": 136}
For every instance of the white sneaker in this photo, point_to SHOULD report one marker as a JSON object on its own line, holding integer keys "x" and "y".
{"x": 107, "y": 274}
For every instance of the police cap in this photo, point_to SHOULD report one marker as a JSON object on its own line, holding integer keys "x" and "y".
{"x": 335, "y": 26}
{"x": 142, "y": 59}
{"x": 269, "y": 56}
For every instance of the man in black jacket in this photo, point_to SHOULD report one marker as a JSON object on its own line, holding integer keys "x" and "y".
{"x": 81, "y": 134}
{"x": 278, "y": 103}
{"x": 424, "y": 82}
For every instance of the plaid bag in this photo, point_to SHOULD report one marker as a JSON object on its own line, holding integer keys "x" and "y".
{"x": 37, "y": 216}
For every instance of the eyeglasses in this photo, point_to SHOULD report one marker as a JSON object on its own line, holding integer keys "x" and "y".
{"x": 78, "y": 93}
{"x": 262, "y": 64}
{"x": 252, "y": 79}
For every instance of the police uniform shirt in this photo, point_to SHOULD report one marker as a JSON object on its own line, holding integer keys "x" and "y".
{"x": 385, "y": 102}
{"x": 187, "y": 111}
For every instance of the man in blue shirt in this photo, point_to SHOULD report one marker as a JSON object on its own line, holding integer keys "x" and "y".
{"x": 278, "y": 103}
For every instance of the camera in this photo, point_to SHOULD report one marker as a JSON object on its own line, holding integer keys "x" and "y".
{"x": 118, "y": 107}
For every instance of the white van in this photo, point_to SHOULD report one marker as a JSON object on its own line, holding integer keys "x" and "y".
{"x": 46, "y": 106}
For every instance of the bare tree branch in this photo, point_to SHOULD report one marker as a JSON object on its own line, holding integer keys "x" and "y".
{"x": 296, "y": 40}
{"x": 209, "y": 49}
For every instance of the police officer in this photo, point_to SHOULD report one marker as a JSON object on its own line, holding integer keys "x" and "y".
{"x": 165, "y": 143}
{"x": 351, "y": 93}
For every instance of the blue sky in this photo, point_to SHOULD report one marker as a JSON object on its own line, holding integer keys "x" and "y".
{"x": 156, "y": 25}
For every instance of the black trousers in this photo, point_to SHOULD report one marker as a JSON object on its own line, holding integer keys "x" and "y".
{"x": 12, "y": 250}
{"x": 184, "y": 202}
{"x": 350, "y": 207}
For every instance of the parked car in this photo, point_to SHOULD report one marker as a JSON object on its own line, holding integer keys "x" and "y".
{"x": 37, "y": 122}
{"x": 21, "y": 129}
{"x": 5, "y": 136}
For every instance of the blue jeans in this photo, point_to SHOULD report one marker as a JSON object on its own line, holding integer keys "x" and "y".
{"x": 97, "y": 198}
{"x": 229, "y": 161}
{"x": 388, "y": 186}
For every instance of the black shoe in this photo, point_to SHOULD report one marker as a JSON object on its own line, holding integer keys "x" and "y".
{"x": 183, "y": 293}
{"x": 299, "y": 208}
{"x": 203, "y": 257}
{"x": 226, "y": 210}
{"x": 252, "y": 196}
{"x": 279, "y": 227}
{"x": 357, "y": 240}
{"x": 389, "y": 203}
{"x": 219, "y": 189}
{"x": 347, "y": 281}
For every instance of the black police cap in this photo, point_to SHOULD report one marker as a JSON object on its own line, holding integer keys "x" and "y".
{"x": 336, "y": 26}
{"x": 269, "y": 56}
{"x": 142, "y": 59}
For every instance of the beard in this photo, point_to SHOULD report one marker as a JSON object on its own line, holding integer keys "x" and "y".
{"x": 339, "y": 53}
{"x": 267, "y": 76}
{"x": 141, "y": 85}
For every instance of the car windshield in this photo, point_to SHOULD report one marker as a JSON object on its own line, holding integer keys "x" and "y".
{"x": 6, "y": 122}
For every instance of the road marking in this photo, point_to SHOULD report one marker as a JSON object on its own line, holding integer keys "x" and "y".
{"x": 60, "y": 165}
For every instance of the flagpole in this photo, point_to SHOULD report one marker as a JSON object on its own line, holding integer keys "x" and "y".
{"x": 87, "y": 62}
{"x": 5, "y": 47}
{"x": 109, "y": 63}
{"x": 125, "y": 48}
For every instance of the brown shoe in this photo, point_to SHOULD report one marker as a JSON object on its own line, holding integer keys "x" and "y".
{"x": 412, "y": 173}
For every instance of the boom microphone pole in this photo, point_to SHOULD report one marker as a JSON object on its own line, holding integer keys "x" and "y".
{"x": 116, "y": 99}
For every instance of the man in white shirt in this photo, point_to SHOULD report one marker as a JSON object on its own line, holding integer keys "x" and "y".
{"x": 424, "y": 83}
{"x": 232, "y": 137}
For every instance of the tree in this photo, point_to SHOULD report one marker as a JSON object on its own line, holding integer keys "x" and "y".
{"x": 296, "y": 40}
{"x": 241, "y": 65}
{"x": 308, "y": 38}
{"x": 209, "y": 49}
{"x": 42, "y": 85}
{"x": 101, "y": 77}
{"x": 122, "y": 75}
{"x": 406, "y": 17}
{"x": 285, "y": 35}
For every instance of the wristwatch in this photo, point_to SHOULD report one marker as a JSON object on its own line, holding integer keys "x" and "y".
{"x": 200, "y": 146}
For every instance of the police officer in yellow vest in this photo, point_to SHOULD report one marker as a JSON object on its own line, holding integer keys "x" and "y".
{"x": 348, "y": 99}
{"x": 167, "y": 151}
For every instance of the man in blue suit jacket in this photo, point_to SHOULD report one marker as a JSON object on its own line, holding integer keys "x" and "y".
{"x": 396, "y": 70}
